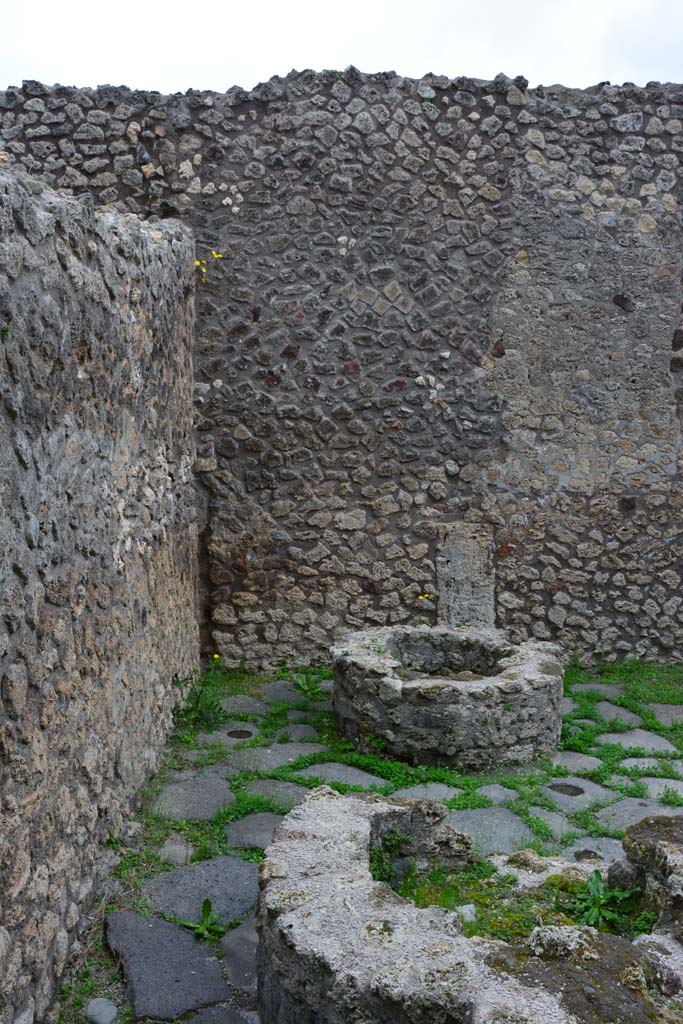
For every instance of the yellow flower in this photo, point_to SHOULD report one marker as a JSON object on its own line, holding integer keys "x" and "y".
{"x": 196, "y": 263}
{"x": 216, "y": 657}
{"x": 216, "y": 255}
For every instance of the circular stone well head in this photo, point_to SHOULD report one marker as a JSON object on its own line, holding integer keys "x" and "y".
{"x": 462, "y": 697}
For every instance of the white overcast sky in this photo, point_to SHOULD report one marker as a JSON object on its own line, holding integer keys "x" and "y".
{"x": 173, "y": 46}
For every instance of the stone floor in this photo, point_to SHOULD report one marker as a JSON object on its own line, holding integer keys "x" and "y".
{"x": 230, "y": 788}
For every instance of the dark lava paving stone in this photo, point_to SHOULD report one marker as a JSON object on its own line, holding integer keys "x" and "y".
{"x": 229, "y": 882}
{"x": 168, "y": 971}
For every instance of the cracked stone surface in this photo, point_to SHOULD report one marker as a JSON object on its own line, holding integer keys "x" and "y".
{"x": 493, "y": 829}
{"x": 230, "y": 883}
{"x": 196, "y": 798}
{"x": 287, "y": 794}
{"x": 275, "y": 756}
{"x": 613, "y": 713}
{"x": 330, "y": 771}
{"x": 578, "y": 762}
{"x": 253, "y": 830}
{"x": 430, "y": 791}
{"x": 238, "y": 950}
{"x": 574, "y": 794}
{"x": 631, "y": 810}
{"x": 168, "y": 971}
{"x": 245, "y": 704}
{"x": 638, "y": 738}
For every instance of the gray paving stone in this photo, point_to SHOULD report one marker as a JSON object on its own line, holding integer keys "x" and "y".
{"x": 429, "y": 790}
{"x": 493, "y": 829}
{"x": 591, "y": 847}
{"x": 330, "y": 771}
{"x": 229, "y": 882}
{"x": 605, "y": 689}
{"x": 631, "y": 810}
{"x": 230, "y": 733}
{"x": 284, "y": 691}
{"x": 168, "y": 971}
{"x": 297, "y": 732}
{"x": 281, "y": 691}
{"x": 287, "y": 794}
{"x": 263, "y": 759}
{"x": 568, "y": 705}
{"x": 577, "y": 762}
{"x": 556, "y": 822}
{"x": 101, "y": 1011}
{"x": 642, "y": 762}
{"x": 238, "y": 949}
{"x": 613, "y": 713}
{"x": 297, "y": 715}
{"x": 668, "y": 714}
{"x": 574, "y": 794}
{"x": 638, "y": 738}
{"x": 498, "y": 794}
{"x": 656, "y": 787}
{"x": 196, "y": 797}
{"x": 176, "y": 850}
{"x": 245, "y": 704}
{"x": 222, "y": 1015}
{"x": 253, "y": 830}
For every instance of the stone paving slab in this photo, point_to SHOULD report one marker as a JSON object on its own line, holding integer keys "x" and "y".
{"x": 592, "y": 847}
{"x": 631, "y": 810}
{"x": 493, "y": 829}
{"x": 330, "y": 771}
{"x": 606, "y": 689}
{"x": 613, "y": 713}
{"x": 287, "y": 794}
{"x": 298, "y": 732}
{"x": 656, "y": 787}
{"x": 223, "y": 1015}
{"x": 577, "y": 762}
{"x": 244, "y": 703}
{"x": 230, "y": 733}
{"x": 176, "y": 850}
{"x": 668, "y": 714}
{"x": 568, "y": 705}
{"x": 263, "y": 759}
{"x": 429, "y": 790}
{"x": 498, "y": 794}
{"x": 253, "y": 830}
{"x": 575, "y": 794}
{"x": 556, "y": 822}
{"x": 638, "y": 738}
{"x": 646, "y": 763}
{"x": 281, "y": 691}
{"x": 238, "y": 949}
{"x": 168, "y": 971}
{"x": 195, "y": 798}
{"x": 229, "y": 882}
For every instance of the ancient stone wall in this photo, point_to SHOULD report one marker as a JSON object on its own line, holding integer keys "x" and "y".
{"x": 98, "y": 591}
{"x": 443, "y": 329}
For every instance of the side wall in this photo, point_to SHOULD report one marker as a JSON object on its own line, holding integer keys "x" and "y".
{"x": 98, "y": 604}
{"x": 439, "y": 350}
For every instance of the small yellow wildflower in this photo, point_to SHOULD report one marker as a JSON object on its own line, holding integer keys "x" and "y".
{"x": 196, "y": 263}
{"x": 216, "y": 657}
{"x": 423, "y": 597}
{"x": 216, "y": 255}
